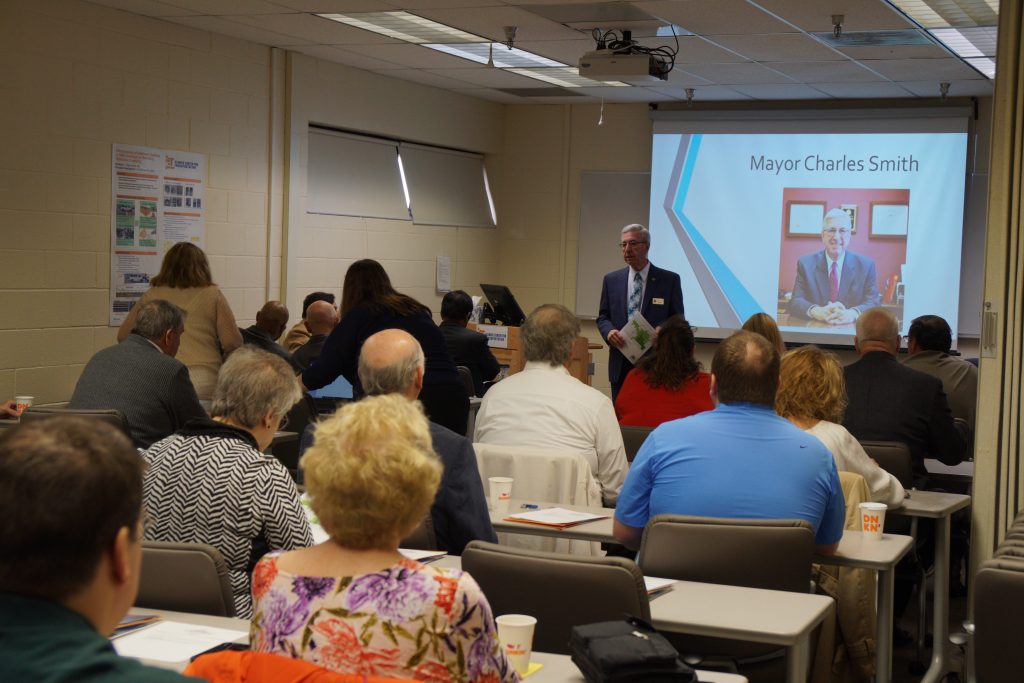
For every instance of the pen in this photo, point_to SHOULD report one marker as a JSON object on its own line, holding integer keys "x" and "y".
{"x": 529, "y": 506}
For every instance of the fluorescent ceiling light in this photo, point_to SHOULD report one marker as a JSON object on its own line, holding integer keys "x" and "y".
{"x": 969, "y": 42}
{"x": 503, "y": 57}
{"x": 567, "y": 77}
{"x": 946, "y": 13}
{"x": 985, "y": 65}
{"x": 405, "y": 26}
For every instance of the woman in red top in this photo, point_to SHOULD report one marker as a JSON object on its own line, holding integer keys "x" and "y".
{"x": 667, "y": 383}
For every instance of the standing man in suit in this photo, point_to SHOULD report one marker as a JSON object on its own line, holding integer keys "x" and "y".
{"x": 141, "y": 378}
{"x": 640, "y": 286}
{"x": 834, "y": 285}
{"x": 467, "y": 347}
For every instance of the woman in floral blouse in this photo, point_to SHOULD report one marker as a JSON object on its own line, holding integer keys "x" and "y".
{"x": 353, "y": 604}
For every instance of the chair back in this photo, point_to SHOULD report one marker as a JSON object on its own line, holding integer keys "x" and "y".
{"x": 633, "y": 438}
{"x": 998, "y": 606}
{"x": 894, "y": 458}
{"x": 113, "y": 417}
{"x": 561, "y": 591}
{"x": 302, "y": 414}
{"x": 422, "y": 537}
{"x": 185, "y": 577}
{"x": 467, "y": 379}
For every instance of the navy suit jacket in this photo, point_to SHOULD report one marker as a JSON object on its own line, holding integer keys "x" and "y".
{"x": 663, "y": 285}
{"x": 858, "y": 283}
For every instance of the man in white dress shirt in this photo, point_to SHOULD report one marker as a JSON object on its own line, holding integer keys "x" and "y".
{"x": 545, "y": 407}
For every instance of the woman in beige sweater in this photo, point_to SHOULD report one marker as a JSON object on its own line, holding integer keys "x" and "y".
{"x": 210, "y": 329}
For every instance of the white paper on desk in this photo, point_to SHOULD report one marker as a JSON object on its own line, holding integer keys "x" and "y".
{"x": 556, "y": 516}
{"x": 422, "y": 555}
{"x": 653, "y": 584}
{"x": 171, "y": 641}
{"x": 639, "y": 336}
{"x": 319, "y": 535}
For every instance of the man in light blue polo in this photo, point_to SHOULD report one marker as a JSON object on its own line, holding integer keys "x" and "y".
{"x": 740, "y": 460}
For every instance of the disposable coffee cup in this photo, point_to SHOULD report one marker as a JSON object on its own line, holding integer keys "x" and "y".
{"x": 515, "y": 633}
{"x": 22, "y": 402}
{"x": 872, "y": 518}
{"x": 501, "y": 493}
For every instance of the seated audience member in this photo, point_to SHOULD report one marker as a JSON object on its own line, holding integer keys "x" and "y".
{"x": 929, "y": 341}
{"x": 740, "y": 460}
{"x": 391, "y": 362}
{"x": 8, "y": 410}
{"x": 271, "y": 321}
{"x": 764, "y": 325}
{"x": 211, "y": 483}
{"x": 354, "y": 604}
{"x": 141, "y": 377}
{"x": 321, "y": 319}
{"x": 812, "y": 395}
{"x": 70, "y": 552}
{"x": 300, "y": 334}
{"x": 889, "y": 401}
{"x": 667, "y": 382}
{"x": 545, "y": 407}
{"x": 467, "y": 347}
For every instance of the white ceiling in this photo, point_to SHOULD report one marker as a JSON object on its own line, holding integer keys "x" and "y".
{"x": 739, "y": 50}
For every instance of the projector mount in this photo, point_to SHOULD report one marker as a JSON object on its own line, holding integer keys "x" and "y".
{"x": 621, "y": 42}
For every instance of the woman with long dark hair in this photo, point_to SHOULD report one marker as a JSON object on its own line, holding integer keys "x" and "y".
{"x": 370, "y": 304}
{"x": 667, "y": 383}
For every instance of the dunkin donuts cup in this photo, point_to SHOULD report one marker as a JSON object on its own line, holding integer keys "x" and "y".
{"x": 515, "y": 633}
{"x": 501, "y": 493}
{"x": 22, "y": 402}
{"x": 872, "y": 519}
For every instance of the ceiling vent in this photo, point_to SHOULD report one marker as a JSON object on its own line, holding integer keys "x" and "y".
{"x": 874, "y": 38}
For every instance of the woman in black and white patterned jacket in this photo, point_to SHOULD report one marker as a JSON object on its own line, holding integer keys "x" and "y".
{"x": 211, "y": 483}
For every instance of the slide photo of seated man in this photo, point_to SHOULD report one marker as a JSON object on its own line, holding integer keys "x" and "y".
{"x": 839, "y": 279}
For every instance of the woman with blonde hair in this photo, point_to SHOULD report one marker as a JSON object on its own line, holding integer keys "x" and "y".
{"x": 354, "y": 604}
{"x": 812, "y": 395}
{"x": 210, "y": 329}
{"x": 764, "y": 325}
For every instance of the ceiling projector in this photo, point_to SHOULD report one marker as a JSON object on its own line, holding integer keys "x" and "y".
{"x": 607, "y": 65}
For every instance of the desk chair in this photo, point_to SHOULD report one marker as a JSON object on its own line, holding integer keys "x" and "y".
{"x": 633, "y": 438}
{"x": 561, "y": 591}
{"x": 422, "y": 537}
{"x": 756, "y": 553}
{"x": 301, "y": 415}
{"x": 998, "y": 609}
{"x": 185, "y": 577}
{"x": 467, "y": 379}
{"x": 109, "y": 415}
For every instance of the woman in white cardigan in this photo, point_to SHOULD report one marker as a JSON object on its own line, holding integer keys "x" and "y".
{"x": 812, "y": 395}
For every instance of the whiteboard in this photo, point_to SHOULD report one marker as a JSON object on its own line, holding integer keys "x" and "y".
{"x": 608, "y": 202}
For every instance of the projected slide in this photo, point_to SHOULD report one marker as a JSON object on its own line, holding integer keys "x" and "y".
{"x": 809, "y": 228}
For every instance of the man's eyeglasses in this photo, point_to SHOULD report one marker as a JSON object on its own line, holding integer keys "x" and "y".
{"x": 630, "y": 243}
{"x": 834, "y": 231}
{"x": 283, "y": 423}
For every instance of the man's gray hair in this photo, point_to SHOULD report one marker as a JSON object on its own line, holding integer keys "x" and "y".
{"x": 877, "y": 324}
{"x": 636, "y": 227}
{"x": 395, "y": 378}
{"x": 156, "y": 317}
{"x": 548, "y": 334}
{"x": 837, "y": 216}
{"x": 252, "y": 383}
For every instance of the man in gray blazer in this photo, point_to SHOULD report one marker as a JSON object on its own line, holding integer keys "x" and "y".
{"x": 141, "y": 378}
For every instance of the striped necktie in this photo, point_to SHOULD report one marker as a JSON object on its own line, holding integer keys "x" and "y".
{"x": 634, "y": 296}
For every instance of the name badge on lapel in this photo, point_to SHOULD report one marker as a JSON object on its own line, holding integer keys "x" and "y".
{"x": 657, "y": 302}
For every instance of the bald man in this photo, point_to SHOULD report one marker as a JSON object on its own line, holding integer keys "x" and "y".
{"x": 271, "y": 322}
{"x": 321, "y": 319}
{"x": 391, "y": 362}
{"x": 890, "y": 402}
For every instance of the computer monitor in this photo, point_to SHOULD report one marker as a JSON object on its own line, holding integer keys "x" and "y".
{"x": 506, "y": 308}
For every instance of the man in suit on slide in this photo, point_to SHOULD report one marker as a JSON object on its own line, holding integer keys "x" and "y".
{"x": 834, "y": 285}
{"x": 642, "y": 286}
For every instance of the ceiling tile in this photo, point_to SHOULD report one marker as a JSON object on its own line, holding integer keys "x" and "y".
{"x": 340, "y": 56}
{"x": 237, "y": 30}
{"x": 493, "y": 95}
{"x": 781, "y": 91}
{"x": 150, "y": 8}
{"x": 878, "y": 90}
{"x": 565, "y": 51}
{"x": 895, "y": 52}
{"x": 826, "y": 72}
{"x": 411, "y": 56}
{"x": 716, "y": 17}
{"x": 978, "y": 88}
{"x": 220, "y": 7}
{"x": 314, "y": 29}
{"x": 488, "y": 21}
{"x": 729, "y": 74}
{"x": 627, "y": 94}
{"x": 490, "y": 78}
{"x": 859, "y": 15}
{"x": 335, "y": 6}
{"x": 428, "y": 78}
{"x": 948, "y": 69}
{"x": 715, "y": 93}
{"x": 778, "y": 47}
{"x": 695, "y": 50}
{"x": 413, "y": 5}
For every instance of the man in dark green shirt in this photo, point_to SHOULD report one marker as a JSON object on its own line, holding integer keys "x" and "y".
{"x": 70, "y": 552}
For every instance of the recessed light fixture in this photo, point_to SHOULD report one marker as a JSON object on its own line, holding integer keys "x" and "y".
{"x": 966, "y": 27}
{"x": 503, "y": 57}
{"x": 405, "y": 26}
{"x": 567, "y": 77}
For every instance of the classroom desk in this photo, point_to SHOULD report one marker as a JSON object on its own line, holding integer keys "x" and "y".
{"x": 557, "y": 668}
{"x": 10, "y": 422}
{"x": 939, "y": 506}
{"x": 853, "y": 551}
{"x": 717, "y": 610}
